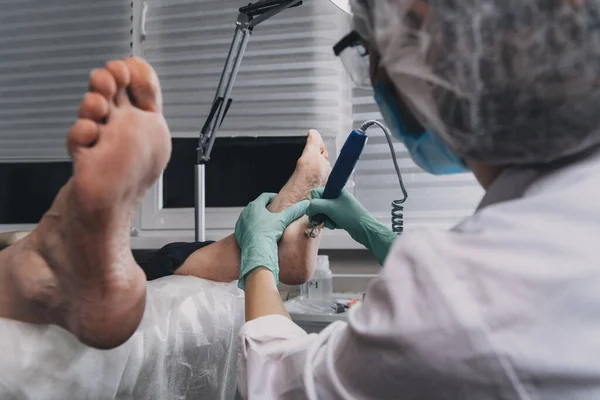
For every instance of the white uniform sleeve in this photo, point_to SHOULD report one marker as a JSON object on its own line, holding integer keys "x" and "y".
{"x": 418, "y": 333}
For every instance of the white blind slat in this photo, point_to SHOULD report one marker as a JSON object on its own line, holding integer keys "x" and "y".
{"x": 47, "y": 50}
{"x": 289, "y": 80}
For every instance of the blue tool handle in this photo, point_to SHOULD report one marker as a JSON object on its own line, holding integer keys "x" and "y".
{"x": 345, "y": 164}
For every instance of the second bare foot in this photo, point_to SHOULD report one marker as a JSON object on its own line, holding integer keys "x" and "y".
{"x": 298, "y": 253}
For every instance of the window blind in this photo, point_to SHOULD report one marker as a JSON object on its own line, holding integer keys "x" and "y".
{"x": 47, "y": 49}
{"x": 289, "y": 80}
{"x": 436, "y": 201}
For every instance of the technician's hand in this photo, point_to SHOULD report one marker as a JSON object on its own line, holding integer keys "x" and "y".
{"x": 348, "y": 214}
{"x": 345, "y": 212}
{"x": 258, "y": 231}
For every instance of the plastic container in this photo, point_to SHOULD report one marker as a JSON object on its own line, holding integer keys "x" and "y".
{"x": 320, "y": 285}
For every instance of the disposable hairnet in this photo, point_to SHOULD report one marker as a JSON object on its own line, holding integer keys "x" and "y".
{"x": 502, "y": 81}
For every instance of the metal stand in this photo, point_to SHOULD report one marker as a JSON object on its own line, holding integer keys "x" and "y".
{"x": 249, "y": 17}
{"x": 200, "y": 210}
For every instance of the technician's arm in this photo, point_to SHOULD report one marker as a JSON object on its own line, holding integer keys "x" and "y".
{"x": 262, "y": 296}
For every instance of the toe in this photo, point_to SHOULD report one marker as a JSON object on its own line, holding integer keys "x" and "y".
{"x": 83, "y": 134}
{"x": 122, "y": 77}
{"x": 144, "y": 89}
{"x": 103, "y": 82}
{"x": 314, "y": 142}
{"x": 94, "y": 106}
{"x": 120, "y": 72}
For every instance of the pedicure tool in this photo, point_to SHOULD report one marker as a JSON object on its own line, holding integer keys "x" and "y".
{"x": 343, "y": 168}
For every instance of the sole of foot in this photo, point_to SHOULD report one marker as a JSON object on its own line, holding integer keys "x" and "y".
{"x": 80, "y": 271}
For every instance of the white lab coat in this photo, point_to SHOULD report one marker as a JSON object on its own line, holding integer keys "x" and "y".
{"x": 504, "y": 306}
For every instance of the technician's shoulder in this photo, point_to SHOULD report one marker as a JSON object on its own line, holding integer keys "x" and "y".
{"x": 509, "y": 297}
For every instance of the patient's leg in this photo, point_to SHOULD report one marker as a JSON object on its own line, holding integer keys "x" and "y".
{"x": 297, "y": 253}
{"x": 76, "y": 269}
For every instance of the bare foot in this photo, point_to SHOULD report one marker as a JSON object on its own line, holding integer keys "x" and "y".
{"x": 76, "y": 269}
{"x": 297, "y": 253}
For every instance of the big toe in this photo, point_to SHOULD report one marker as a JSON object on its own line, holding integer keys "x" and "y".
{"x": 144, "y": 88}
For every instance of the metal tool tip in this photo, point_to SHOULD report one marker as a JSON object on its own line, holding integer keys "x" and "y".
{"x": 310, "y": 232}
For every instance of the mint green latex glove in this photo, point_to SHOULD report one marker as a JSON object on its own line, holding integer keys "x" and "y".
{"x": 348, "y": 214}
{"x": 258, "y": 231}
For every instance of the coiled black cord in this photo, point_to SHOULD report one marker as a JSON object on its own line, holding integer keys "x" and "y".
{"x": 397, "y": 205}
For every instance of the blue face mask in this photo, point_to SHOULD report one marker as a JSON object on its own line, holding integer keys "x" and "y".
{"x": 426, "y": 149}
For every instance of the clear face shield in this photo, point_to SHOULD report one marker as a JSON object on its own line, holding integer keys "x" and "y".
{"x": 425, "y": 98}
{"x": 355, "y": 58}
{"x": 343, "y": 5}
{"x": 409, "y": 102}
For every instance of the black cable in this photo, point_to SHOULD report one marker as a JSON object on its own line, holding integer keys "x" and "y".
{"x": 397, "y": 205}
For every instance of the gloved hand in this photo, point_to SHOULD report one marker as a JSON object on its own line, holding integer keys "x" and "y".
{"x": 348, "y": 214}
{"x": 258, "y": 231}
